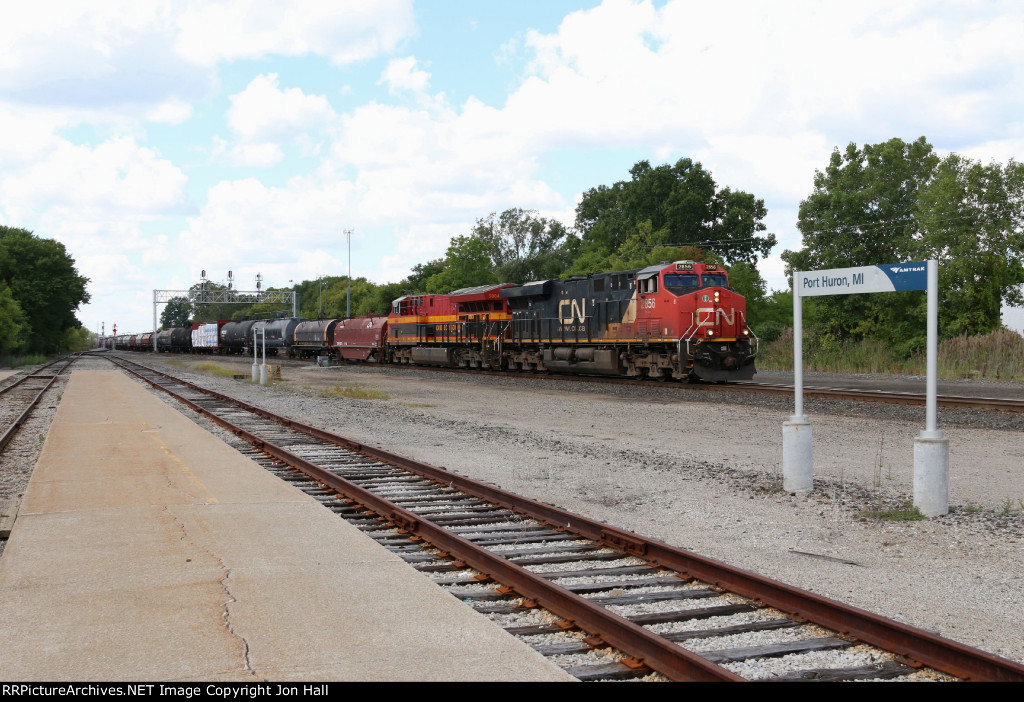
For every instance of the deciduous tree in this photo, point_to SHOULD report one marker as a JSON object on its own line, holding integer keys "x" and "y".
{"x": 684, "y": 201}
{"x": 42, "y": 278}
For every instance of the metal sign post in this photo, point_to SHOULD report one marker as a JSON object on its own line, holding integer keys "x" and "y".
{"x": 255, "y": 364}
{"x": 931, "y": 448}
{"x": 263, "y": 368}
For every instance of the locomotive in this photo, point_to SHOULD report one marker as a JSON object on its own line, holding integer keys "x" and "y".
{"x": 670, "y": 320}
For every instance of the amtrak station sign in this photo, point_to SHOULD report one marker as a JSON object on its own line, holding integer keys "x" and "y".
{"x": 931, "y": 448}
{"x": 891, "y": 277}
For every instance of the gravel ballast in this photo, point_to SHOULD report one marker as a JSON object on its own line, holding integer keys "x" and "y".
{"x": 701, "y": 470}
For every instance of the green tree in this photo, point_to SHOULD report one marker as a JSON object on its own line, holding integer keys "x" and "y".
{"x": 862, "y": 212}
{"x": 972, "y": 216}
{"x": 14, "y": 328}
{"x": 524, "y": 246}
{"x": 421, "y": 273}
{"x": 682, "y": 200}
{"x": 43, "y": 280}
{"x": 77, "y": 339}
{"x": 177, "y": 312}
{"x": 467, "y": 263}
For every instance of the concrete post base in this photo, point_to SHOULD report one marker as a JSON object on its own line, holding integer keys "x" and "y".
{"x": 797, "y": 464}
{"x": 931, "y": 474}
{"x": 263, "y": 374}
{"x": 255, "y": 372}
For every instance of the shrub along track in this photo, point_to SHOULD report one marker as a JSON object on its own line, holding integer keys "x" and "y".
{"x": 618, "y": 588}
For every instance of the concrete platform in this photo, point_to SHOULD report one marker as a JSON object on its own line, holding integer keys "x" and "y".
{"x": 147, "y": 549}
{"x": 4, "y": 374}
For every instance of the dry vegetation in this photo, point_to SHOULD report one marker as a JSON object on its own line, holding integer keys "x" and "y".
{"x": 995, "y": 356}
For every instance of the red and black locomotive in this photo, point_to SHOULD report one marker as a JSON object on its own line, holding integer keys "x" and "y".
{"x": 672, "y": 320}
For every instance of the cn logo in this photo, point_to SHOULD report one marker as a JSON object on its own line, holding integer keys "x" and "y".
{"x": 577, "y": 311}
{"x": 709, "y": 316}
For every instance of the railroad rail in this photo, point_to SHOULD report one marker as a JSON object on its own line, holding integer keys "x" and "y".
{"x": 526, "y": 546}
{"x": 21, "y": 397}
{"x": 782, "y": 389}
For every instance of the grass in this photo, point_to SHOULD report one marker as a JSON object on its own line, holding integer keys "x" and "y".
{"x": 998, "y": 355}
{"x": 354, "y": 392}
{"x": 906, "y": 513}
{"x": 215, "y": 369}
{"x": 32, "y": 359}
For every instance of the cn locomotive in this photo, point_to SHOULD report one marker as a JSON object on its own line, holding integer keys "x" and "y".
{"x": 671, "y": 320}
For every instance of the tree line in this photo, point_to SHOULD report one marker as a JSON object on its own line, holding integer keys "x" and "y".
{"x": 881, "y": 203}
{"x": 40, "y": 290}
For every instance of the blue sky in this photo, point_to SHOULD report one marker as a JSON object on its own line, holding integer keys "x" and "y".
{"x": 159, "y": 139}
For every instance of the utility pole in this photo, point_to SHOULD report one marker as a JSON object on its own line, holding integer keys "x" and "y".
{"x": 348, "y": 299}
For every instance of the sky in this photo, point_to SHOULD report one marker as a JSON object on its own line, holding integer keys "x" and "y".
{"x": 160, "y": 139}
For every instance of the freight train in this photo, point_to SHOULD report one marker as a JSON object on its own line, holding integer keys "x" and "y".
{"x": 670, "y": 320}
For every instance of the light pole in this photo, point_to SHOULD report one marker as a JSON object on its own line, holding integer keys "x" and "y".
{"x": 348, "y": 298}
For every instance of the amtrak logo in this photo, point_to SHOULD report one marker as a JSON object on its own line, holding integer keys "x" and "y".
{"x": 915, "y": 269}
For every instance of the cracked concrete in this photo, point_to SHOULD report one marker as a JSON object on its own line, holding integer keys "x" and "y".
{"x": 147, "y": 549}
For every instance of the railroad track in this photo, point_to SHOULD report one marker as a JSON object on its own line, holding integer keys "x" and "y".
{"x": 818, "y": 392}
{"x": 603, "y": 602}
{"x": 18, "y": 399}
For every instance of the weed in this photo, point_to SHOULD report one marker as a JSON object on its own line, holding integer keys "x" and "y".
{"x": 415, "y": 404}
{"x": 998, "y": 355}
{"x": 906, "y": 513}
{"x": 877, "y": 481}
{"x": 1007, "y": 506}
{"x": 214, "y": 369}
{"x": 355, "y": 393}
{"x": 971, "y": 508}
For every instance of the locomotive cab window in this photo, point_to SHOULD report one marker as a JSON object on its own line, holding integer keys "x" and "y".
{"x": 649, "y": 285}
{"x": 679, "y": 283}
{"x": 715, "y": 280}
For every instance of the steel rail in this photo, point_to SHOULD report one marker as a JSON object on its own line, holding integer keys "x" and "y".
{"x": 12, "y": 430}
{"x": 917, "y": 646}
{"x": 886, "y": 396}
{"x": 817, "y": 392}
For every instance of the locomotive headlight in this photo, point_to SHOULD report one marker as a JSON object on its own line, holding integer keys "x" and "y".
{"x": 716, "y": 296}
{"x": 711, "y": 332}
{"x": 746, "y": 332}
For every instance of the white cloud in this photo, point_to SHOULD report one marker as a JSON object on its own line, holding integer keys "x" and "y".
{"x": 402, "y": 75}
{"x": 262, "y": 155}
{"x": 170, "y": 112}
{"x": 138, "y": 56}
{"x": 263, "y": 111}
{"x": 209, "y": 31}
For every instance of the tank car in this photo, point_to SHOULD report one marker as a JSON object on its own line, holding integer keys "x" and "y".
{"x": 236, "y": 337}
{"x": 313, "y": 337}
{"x": 174, "y": 340}
{"x": 278, "y": 333}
